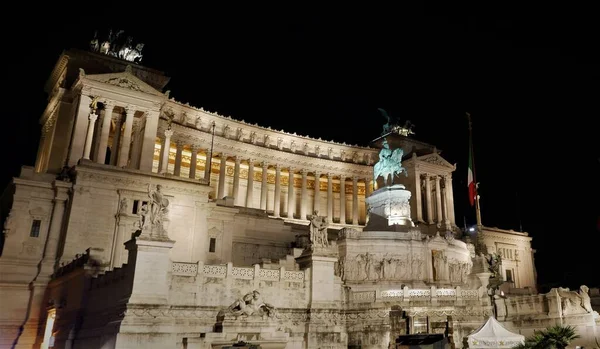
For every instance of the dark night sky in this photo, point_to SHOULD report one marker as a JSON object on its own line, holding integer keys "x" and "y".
{"x": 529, "y": 81}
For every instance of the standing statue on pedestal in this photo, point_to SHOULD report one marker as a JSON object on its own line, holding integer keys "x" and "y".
{"x": 389, "y": 164}
{"x": 318, "y": 230}
{"x": 153, "y": 215}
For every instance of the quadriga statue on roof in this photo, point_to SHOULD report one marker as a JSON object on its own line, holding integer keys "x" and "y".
{"x": 389, "y": 164}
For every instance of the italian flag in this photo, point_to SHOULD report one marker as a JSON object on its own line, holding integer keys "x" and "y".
{"x": 471, "y": 175}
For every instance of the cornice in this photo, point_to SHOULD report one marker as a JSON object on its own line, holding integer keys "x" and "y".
{"x": 192, "y": 114}
{"x": 260, "y": 153}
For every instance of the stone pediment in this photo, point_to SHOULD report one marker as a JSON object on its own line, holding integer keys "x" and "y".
{"x": 125, "y": 80}
{"x": 435, "y": 159}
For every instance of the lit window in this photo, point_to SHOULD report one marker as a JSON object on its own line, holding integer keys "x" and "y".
{"x": 35, "y": 228}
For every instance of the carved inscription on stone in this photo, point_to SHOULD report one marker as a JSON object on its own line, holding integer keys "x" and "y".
{"x": 249, "y": 254}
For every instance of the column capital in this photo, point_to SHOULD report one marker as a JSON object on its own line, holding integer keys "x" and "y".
{"x": 93, "y": 117}
{"x": 355, "y": 179}
{"x": 108, "y": 104}
{"x": 251, "y": 161}
{"x": 168, "y": 133}
{"x": 304, "y": 171}
{"x": 194, "y": 148}
{"x": 237, "y": 159}
{"x": 342, "y": 177}
{"x": 278, "y": 167}
{"x": 129, "y": 109}
{"x": 224, "y": 155}
{"x": 330, "y": 175}
{"x": 291, "y": 169}
{"x": 179, "y": 144}
{"x": 265, "y": 165}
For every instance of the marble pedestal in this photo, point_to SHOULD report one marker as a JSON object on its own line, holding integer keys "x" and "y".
{"x": 389, "y": 209}
{"x": 255, "y": 330}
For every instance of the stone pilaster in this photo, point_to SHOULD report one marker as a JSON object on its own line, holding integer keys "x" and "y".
{"x": 149, "y": 140}
{"x": 178, "y": 158}
{"x": 291, "y": 198}
{"x": 303, "y": 194}
{"x": 355, "y": 200}
{"x": 342, "y": 199}
{"x": 250, "y": 186}
{"x": 126, "y": 141}
{"x": 90, "y": 135}
{"x": 222, "y": 168}
{"x": 277, "y": 196}
{"x": 104, "y": 133}
{"x": 236, "y": 181}
{"x": 264, "y": 188}
{"x": 330, "y": 197}
{"x": 164, "y": 165}
{"x": 193, "y": 162}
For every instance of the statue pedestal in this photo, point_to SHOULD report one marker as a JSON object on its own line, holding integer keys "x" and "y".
{"x": 388, "y": 208}
{"x": 324, "y": 291}
{"x": 253, "y": 330}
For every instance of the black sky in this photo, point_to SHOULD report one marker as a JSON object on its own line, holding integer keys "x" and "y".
{"x": 529, "y": 79}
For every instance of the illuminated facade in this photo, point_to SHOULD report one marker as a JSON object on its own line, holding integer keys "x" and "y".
{"x": 238, "y": 200}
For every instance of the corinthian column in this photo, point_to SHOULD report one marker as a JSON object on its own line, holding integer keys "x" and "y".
{"x": 90, "y": 134}
{"x": 178, "y": 157}
{"x": 193, "y": 161}
{"x": 330, "y": 197}
{"x": 250, "y": 186}
{"x": 317, "y": 201}
{"x": 236, "y": 180}
{"x": 104, "y": 133}
{"x": 450, "y": 198}
{"x": 207, "y": 166}
{"x": 438, "y": 199}
{"x": 264, "y": 186}
{"x": 222, "y": 167}
{"x": 126, "y": 143}
{"x": 166, "y": 148}
{"x": 429, "y": 203}
{"x": 342, "y": 199}
{"x": 303, "y": 195}
{"x": 291, "y": 201}
{"x": 355, "y": 200}
{"x": 277, "y": 196}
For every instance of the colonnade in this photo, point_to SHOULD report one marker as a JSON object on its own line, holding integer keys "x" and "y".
{"x": 266, "y": 182}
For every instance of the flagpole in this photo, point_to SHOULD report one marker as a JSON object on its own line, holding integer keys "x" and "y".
{"x": 477, "y": 207}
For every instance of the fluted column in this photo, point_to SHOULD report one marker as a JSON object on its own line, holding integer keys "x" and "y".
{"x": 236, "y": 181}
{"x": 438, "y": 199}
{"x": 330, "y": 197}
{"x": 207, "y": 166}
{"x": 342, "y": 199}
{"x": 90, "y": 135}
{"x": 291, "y": 201}
{"x": 418, "y": 198}
{"x": 116, "y": 143}
{"x": 193, "y": 162}
{"x": 164, "y": 165}
{"x": 178, "y": 156}
{"x": 355, "y": 200}
{"x": 450, "y": 198}
{"x": 250, "y": 186}
{"x": 303, "y": 194}
{"x": 222, "y": 167}
{"x": 104, "y": 133}
{"x": 317, "y": 200}
{"x": 445, "y": 206}
{"x": 264, "y": 189}
{"x": 126, "y": 143}
{"x": 277, "y": 197}
{"x": 429, "y": 201}
{"x": 367, "y": 193}
{"x": 149, "y": 140}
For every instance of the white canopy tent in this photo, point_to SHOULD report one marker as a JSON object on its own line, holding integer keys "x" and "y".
{"x": 493, "y": 335}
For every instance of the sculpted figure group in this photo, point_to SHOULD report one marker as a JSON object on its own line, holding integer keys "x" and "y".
{"x": 249, "y": 304}
{"x": 318, "y": 230}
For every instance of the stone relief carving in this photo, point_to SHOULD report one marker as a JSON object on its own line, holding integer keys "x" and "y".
{"x": 198, "y": 123}
{"x": 279, "y": 143}
{"x": 9, "y": 224}
{"x": 251, "y": 304}
{"x": 459, "y": 271}
{"x": 253, "y": 137}
{"x": 267, "y": 141}
{"x": 373, "y": 267}
{"x": 434, "y": 160}
{"x": 317, "y": 150}
{"x": 124, "y": 206}
{"x": 293, "y": 146}
{"x": 343, "y": 155}
{"x": 318, "y": 230}
{"x": 440, "y": 265}
{"x": 330, "y": 153}
{"x": 306, "y": 148}
{"x": 355, "y": 157}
